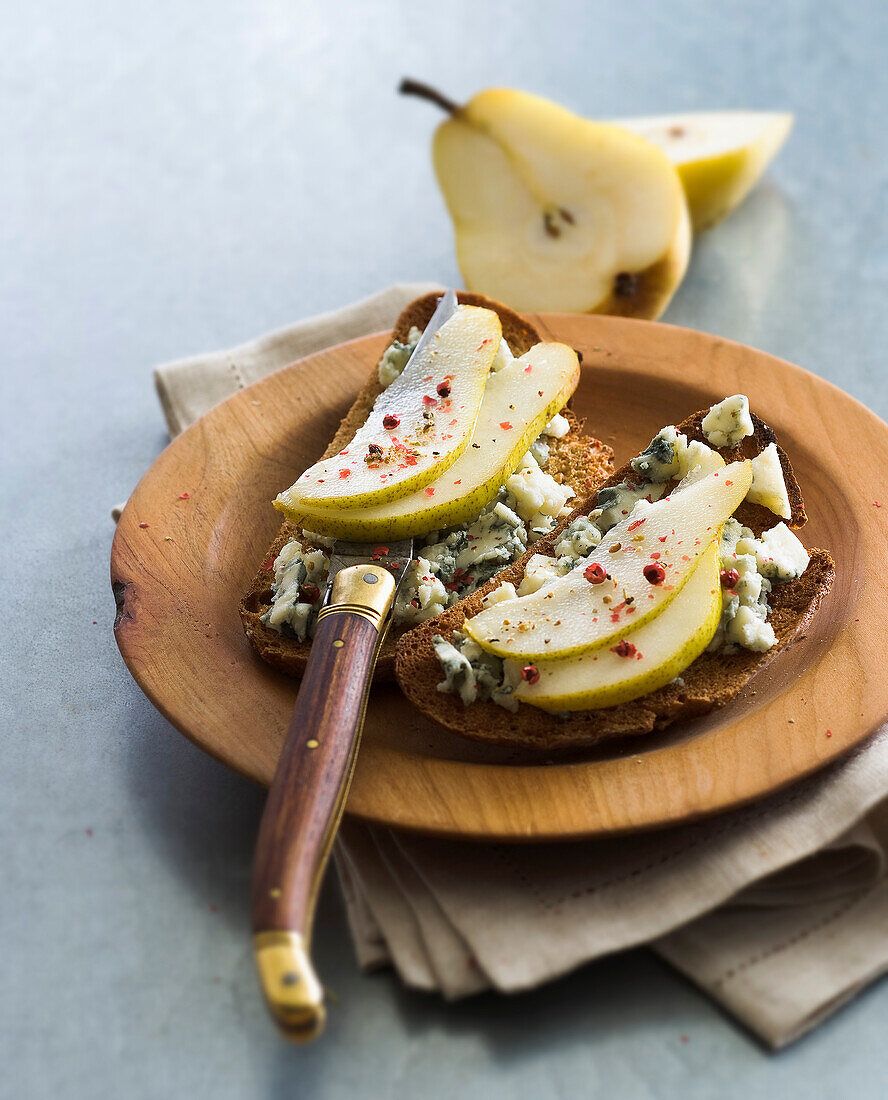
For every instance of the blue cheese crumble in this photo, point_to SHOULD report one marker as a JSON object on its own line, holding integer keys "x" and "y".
{"x": 728, "y": 422}
{"x": 395, "y": 358}
{"x": 296, "y": 568}
{"x": 768, "y": 485}
{"x": 778, "y": 556}
{"x": 472, "y": 674}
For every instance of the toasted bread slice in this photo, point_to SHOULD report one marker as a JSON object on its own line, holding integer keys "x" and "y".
{"x": 709, "y": 682}
{"x": 575, "y": 459}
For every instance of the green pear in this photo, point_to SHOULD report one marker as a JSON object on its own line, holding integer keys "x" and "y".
{"x": 418, "y": 426}
{"x": 554, "y": 212}
{"x": 647, "y": 659}
{"x": 518, "y": 402}
{"x": 614, "y": 591}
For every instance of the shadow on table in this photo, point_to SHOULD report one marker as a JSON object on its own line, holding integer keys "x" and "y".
{"x": 201, "y": 817}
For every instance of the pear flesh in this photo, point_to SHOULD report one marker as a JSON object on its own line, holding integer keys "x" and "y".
{"x": 577, "y": 613}
{"x": 518, "y": 402}
{"x": 720, "y": 155}
{"x": 418, "y": 426}
{"x": 648, "y": 659}
{"x": 554, "y": 212}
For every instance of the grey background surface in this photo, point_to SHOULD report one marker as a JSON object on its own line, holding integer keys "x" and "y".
{"x": 176, "y": 177}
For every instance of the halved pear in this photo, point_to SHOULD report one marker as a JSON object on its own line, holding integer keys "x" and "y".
{"x": 652, "y": 656}
{"x": 518, "y": 402}
{"x": 720, "y": 155}
{"x": 554, "y": 212}
{"x": 578, "y": 612}
{"x": 418, "y": 426}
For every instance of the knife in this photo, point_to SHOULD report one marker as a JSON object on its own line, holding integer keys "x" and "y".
{"x": 308, "y": 793}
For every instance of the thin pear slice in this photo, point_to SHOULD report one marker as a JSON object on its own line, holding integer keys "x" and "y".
{"x": 555, "y": 212}
{"x": 518, "y": 402}
{"x": 575, "y": 613}
{"x": 432, "y": 409}
{"x": 649, "y": 658}
{"x": 720, "y": 155}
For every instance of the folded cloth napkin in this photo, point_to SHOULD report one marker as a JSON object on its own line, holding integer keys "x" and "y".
{"x": 778, "y": 911}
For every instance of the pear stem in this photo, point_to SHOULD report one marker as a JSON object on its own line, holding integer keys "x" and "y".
{"x": 409, "y": 86}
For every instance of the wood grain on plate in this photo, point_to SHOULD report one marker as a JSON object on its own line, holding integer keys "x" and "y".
{"x": 178, "y": 582}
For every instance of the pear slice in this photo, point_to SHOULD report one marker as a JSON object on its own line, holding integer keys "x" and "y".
{"x": 577, "y": 612}
{"x": 554, "y": 212}
{"x": 418, "y": 426}
{"x": 720, "y": 155}
{"x": 518, "y": 402}
{"x": 652, "y": 656}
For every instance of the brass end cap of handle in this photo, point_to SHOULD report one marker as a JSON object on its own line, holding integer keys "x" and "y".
{"x": 292, "y": 991}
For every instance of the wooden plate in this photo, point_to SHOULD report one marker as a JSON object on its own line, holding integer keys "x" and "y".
{"x": 178, "y": 581}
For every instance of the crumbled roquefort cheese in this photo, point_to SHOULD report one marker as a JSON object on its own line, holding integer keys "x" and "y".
{"x": 459, "y": 679}
{"x": 539, "y": 571}
{"x": 659, "y": 461}
{"x": 473, "y": 674}
{"x": 768, "y": 485}
{"x": 558, "y": 427}
{"x": 728, "y": 422}
{"x": 614, "y": 502}
{"x": 506, "y": 591}
{"x": 779, "y": 554}
{"x": 696, "y": 461}
{"x": 540, "y": 450}
{"x": 395, "y": 357}
{"x": 578, "y": 539}
{"x": 777, "y": 557}
{"x": 296, "y": 566}
{"x": 502, "y": 358}
{"x": 539, "y": 498}
{"x": 748, "y": 629}
{"x": 670, "y": 455}
{"x": 421, "y": 594}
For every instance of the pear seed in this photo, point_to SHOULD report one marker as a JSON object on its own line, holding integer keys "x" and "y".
{"x": 550, "y": 226}
{"x": 626, "y": 284}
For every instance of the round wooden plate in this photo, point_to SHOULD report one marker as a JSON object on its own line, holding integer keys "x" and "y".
{"x": 180, "y": 566}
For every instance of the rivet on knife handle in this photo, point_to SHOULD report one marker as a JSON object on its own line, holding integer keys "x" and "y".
{"x": 308, "y": 794}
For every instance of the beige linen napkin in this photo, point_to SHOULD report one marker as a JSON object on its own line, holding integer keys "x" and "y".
{"x": 778, "y": 911}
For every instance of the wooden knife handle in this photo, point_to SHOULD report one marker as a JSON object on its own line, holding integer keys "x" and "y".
{"x": 308, "y": 793}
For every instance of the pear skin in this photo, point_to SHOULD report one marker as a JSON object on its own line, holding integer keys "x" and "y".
{"x": 647, "y": 659}
{"x": 720, "y": 155}
{"x": 518, "y": 402}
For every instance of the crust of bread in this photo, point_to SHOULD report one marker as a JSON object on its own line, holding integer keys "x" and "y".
{"x": 577, "y": 460}
{"x": 708, "y": 683}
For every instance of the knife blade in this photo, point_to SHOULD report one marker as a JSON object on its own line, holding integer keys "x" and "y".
{"x": 307, "y": 796}
{"x": 447, "y": 305}
{"x": 394, "y": 557}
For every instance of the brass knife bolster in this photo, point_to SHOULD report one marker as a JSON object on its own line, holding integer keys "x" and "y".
{"x": 365, "y": 590}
